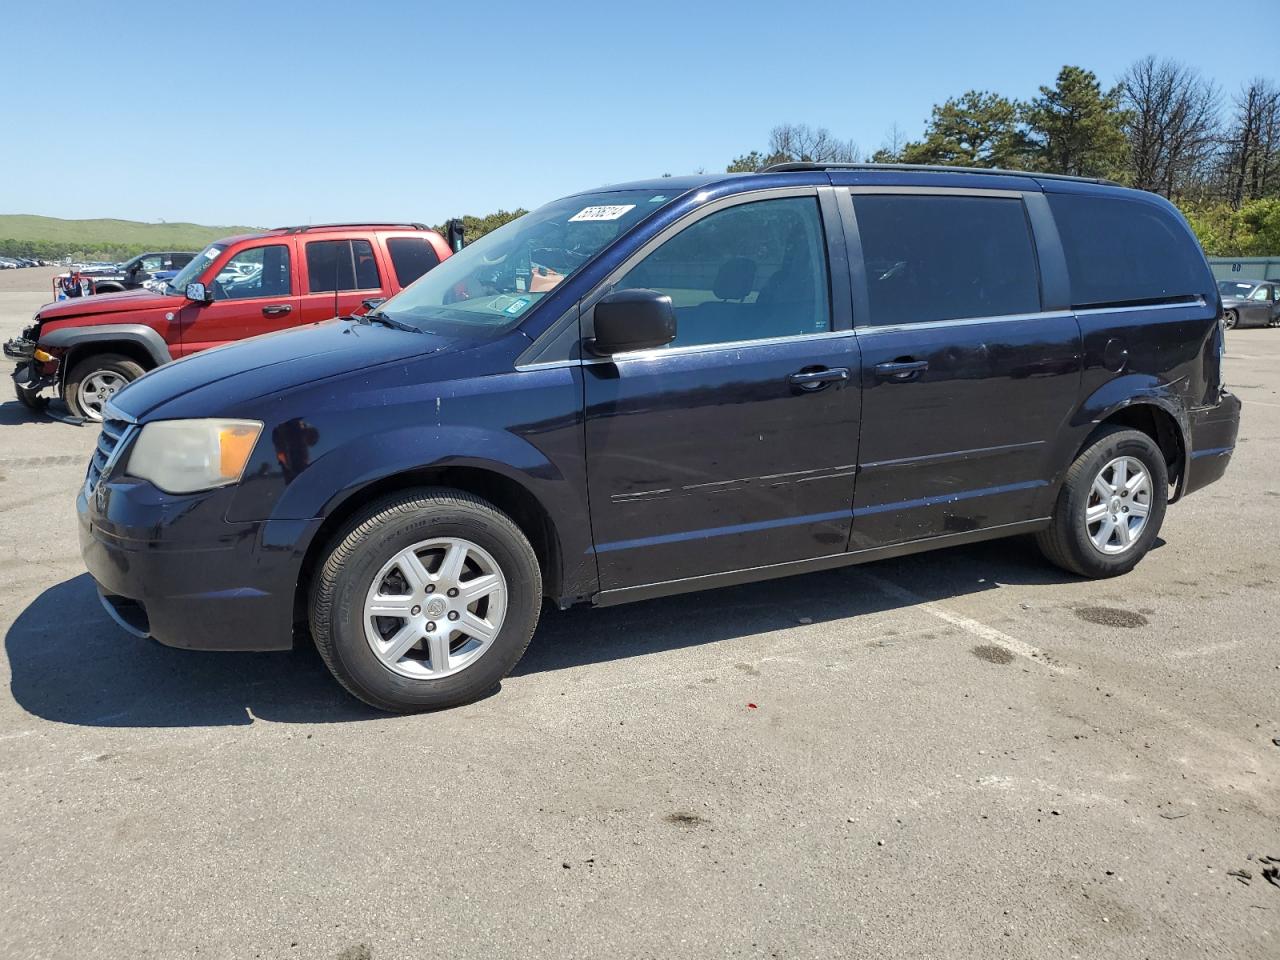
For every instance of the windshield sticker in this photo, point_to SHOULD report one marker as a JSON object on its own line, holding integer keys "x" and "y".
{"x": 611, "y": 212}
{"x": 517, "y": 305}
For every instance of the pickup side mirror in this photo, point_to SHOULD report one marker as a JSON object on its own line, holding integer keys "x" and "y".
{"x": 627, "y": 320}
{"x": 199, "y": 293}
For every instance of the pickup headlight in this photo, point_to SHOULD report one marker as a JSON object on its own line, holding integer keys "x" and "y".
{"x": 183, "y": 456}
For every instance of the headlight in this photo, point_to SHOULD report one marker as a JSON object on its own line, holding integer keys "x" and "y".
{"x": 183, "y": 456}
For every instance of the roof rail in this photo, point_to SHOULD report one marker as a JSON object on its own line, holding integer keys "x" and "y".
{"x": 795, "y": 166}
{"x": 364, "y": 223}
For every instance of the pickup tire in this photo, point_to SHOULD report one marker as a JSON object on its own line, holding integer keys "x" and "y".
{"x": 1110, "y": 507}
{"x": 460, "y": 587}
{"x": 95, "y": 380}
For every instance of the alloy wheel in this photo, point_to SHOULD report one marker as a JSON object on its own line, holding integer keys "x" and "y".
{"x": 1119, "y": 505}
{"x": 96, "y": 389}
{"x": 435, "y": 608}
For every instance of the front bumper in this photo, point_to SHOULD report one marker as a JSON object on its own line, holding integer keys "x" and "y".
{"x": 174, "y": 569}
{"x": 19, "y": 348}
{"x": 1213, "y": 440}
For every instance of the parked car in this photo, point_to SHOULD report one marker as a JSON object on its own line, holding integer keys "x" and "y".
{"x": 7, "y": 263}
{"x": 1249, "y": 303}
{"x": 132, "y": 274}
{"x": 87, "y": 348}
{"x": 667, "y": 386}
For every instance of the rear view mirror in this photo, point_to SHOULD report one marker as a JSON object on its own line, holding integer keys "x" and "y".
{"x": 199, "y": 293}
{"x": 629, "y": 320}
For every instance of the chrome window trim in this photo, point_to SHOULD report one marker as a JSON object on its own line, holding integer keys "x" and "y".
{"x": 659, "y": 352}
{"x": 872, "y": 329}
{"x": 1182, "y": 305}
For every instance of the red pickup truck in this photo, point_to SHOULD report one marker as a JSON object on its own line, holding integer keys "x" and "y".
{"x": 88, "y": 348}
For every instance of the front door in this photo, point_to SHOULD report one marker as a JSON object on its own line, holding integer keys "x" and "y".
{"x": 734, "y": 447}
{"x": 965, "y": 380}
{"x": 254, "y": 292}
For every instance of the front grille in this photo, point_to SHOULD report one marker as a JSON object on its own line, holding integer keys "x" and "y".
{"x": 110, "y": 444}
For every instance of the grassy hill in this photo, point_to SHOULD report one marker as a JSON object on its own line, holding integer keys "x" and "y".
{"x": 27, "y": 235}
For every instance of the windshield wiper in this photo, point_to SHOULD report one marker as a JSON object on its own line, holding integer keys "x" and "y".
{"x": 376, "y": 317}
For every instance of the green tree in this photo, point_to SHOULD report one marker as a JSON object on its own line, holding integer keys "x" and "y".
{"x": 978, "y": 129}
{"x": 473, "y": 228}
{"x": 1076, "y": 128}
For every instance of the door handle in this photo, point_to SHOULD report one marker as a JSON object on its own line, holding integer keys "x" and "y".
{"x": 817, "y": 379}
{"x": 901, "y": 371}
{"x": 277, "y": 310}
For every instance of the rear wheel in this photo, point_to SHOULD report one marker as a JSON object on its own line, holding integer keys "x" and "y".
{"x": 95, "y": 380}
{"x": 1110, "y": 507}
{"x": 426, "y": 600}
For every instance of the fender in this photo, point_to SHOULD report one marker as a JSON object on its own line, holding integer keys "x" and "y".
{"x": 346, "y": 470}
{"x": 137, "y": 333}
{"x": 1132, "y": 390}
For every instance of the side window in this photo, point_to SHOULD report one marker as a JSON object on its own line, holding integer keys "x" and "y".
{"x": 411, "y": 257}
{"x": 752, "y": 271}
{"x": 256, "y": 272}
{"x": 153, "y": 263}
{"x": 946, "y": 258}
{"x": 1262, "y": 293}
{"x": 341, "y": 265}
{"x": 1125, "y": 251}
{"x": 180, "y": 260}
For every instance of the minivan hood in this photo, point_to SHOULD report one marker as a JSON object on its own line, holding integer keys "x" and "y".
{"x": 273, "y": 363}
{"x": 100, "y": 303}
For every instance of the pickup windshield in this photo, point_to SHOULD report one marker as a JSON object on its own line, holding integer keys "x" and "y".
{"x": 492, "y": 283}
{"x": 192, "y": 270}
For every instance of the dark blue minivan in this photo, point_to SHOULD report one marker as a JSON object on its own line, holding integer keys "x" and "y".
{"x": 667, "y": 386}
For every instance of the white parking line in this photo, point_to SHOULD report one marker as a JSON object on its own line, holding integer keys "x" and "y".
{"x": 973, "y": 627}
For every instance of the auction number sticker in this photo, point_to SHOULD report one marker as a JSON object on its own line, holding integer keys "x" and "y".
{"x": 612, "y": 212}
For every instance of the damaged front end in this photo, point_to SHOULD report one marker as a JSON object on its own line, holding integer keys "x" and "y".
{"x": 36, "y": 368}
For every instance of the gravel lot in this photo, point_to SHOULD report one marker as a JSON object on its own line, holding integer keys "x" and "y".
{"x": 963, "y": 754}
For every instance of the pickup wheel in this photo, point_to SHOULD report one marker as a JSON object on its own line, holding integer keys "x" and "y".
{"x": 95, "y": 380}
{"x": 1110, "y": 507}
{"x": 425, "y": 600}
{"x": 31, "y": 400}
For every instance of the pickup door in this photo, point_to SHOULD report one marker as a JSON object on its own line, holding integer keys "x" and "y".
{"x": 255, "y": 290}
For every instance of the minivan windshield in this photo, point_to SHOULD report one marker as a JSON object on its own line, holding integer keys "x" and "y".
{"x": 192, "y": 270}
{"x": 488, "y": 286}
{"x": 1235, "y": 288}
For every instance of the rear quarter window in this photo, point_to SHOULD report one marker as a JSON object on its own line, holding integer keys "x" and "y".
{"x": 411, "y": 257}
{"x": 1125, "y": 252}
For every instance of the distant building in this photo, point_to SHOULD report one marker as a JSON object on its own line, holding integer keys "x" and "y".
{"x": 1245, "y": 268}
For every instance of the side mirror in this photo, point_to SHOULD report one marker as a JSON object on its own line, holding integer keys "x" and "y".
{"x": 456, "y": 239}
{"x": 373, "y": 303}
{"x": 629, "y": 320}
{"x": 199, "y": 293}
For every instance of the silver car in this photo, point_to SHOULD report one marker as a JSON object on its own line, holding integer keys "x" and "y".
{"x": 1250, "y": 303}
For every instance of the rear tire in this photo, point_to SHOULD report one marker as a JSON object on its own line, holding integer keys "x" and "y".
{"x": 447, "y": 664}
{"x": 95, "y": 380}
{"x": 1097, "y": 530}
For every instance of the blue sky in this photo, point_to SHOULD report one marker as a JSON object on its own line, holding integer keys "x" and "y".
{"x": 277, "y": 111}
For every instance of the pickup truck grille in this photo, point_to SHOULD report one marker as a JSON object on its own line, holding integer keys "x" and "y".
{"x": 111, "y": 442}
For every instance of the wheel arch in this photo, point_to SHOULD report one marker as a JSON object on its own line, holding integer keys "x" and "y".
{"x": 503, "y": 491}
{"x": 1159, "y": 420}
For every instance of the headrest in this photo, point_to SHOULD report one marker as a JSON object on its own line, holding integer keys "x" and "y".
{"x": 734, "y": 279}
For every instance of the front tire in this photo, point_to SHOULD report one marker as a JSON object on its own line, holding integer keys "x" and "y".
{"x": 31, "y": 399}
{"x": 95, "y": 380}
{"x": 425, "y": 600}
{"x": 1110, "y": 507}
{"x": 1229, "y": 319}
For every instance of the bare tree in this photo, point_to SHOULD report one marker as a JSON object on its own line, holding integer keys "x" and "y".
{"x": 799, "y": 141}
{"x": 1252, "y": 156}
{"x": 1172, "y": 126}
{"x": 895, "y": 141}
